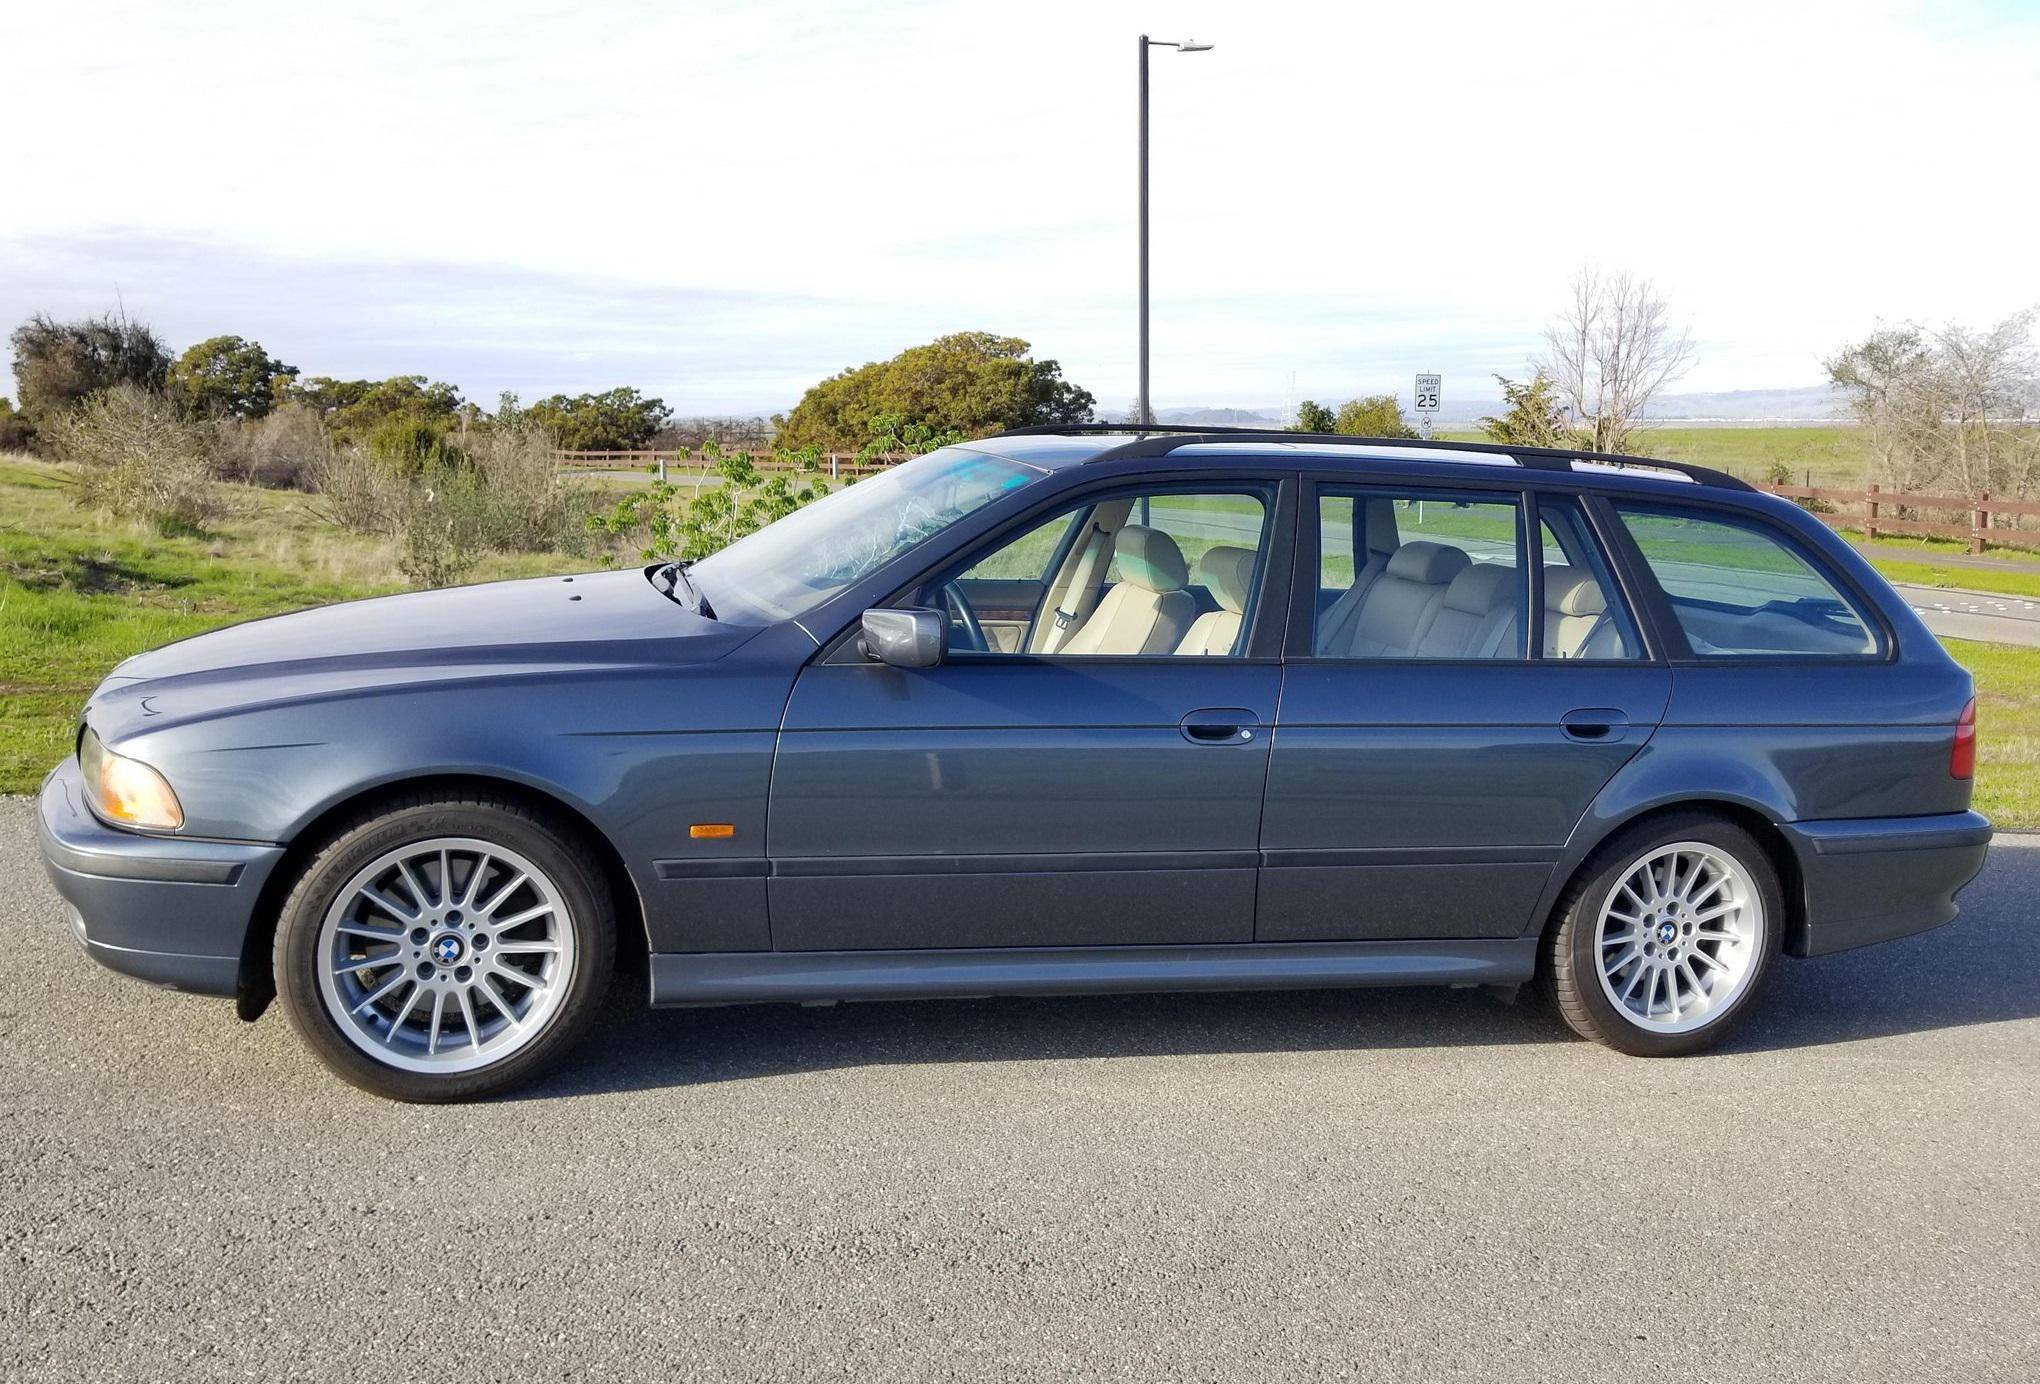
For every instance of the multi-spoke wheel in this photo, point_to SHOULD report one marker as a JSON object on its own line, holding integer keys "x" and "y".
{"x": 1666, "y": 936}
{"x": 443, "y": 950}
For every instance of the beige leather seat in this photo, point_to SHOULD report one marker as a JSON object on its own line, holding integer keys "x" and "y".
{"x": 1228, "y": 574}
{"x": 1400, "y": 605}
{"x": 1477, "y": 618}
{"x": 1335, "y": 626}
{"x": 1147, "y": 610}
{"x": 1576, "y": 620}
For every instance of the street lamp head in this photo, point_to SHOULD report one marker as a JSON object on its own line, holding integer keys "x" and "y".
{"x": 1193, "y": 46}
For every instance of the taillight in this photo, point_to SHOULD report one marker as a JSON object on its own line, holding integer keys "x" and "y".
{"x": 1962, "y": 758}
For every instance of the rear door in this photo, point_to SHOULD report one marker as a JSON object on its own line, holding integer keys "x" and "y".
{"x": 1456, "y": 694}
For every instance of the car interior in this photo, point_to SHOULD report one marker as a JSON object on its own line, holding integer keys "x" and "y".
{"x": 1172, "y": 573}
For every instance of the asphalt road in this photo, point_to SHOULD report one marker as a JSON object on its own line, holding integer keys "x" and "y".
{"x": 1975, "y": 614}
{"x": 1420, "y": 1185}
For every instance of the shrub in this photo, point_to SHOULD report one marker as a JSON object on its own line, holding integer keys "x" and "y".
{"x": 139, "y": 458}
{"x": 410, "y": 446}
{"x": 443, "y": 513}
{"x": 17, "y": 434}
{"x": 283, "y": 450}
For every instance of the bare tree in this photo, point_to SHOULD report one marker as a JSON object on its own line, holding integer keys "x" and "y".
{"x": 1611, "y": 352}
{"x": 1948, "y": 409}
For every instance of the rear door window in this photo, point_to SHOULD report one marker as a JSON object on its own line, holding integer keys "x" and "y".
{"x": 1740, "y": 590}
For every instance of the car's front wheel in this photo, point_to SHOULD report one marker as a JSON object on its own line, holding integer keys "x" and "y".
{"x": 442, "y": 950}
{"x": 1667, "y": 937}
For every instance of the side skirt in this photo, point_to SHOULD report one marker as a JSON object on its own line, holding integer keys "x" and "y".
{"x": 697, "y": 978}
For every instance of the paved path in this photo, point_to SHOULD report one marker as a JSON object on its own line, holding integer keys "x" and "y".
{"x": 1373, "y": 1186}
{"x": 1975, "y": 614}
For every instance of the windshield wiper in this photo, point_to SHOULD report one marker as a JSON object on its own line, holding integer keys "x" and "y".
{"x": 675, "y": 574}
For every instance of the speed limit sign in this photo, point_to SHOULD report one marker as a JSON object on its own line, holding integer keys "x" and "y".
{"x": 1428, "y": 391}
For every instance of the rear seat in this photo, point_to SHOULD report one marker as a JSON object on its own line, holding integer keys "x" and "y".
{"x": 1576, "y": 620}
{"x": 1478, "y": 616}
{"x": 1432, "y": 601}
{"x": 1398, "y": 609}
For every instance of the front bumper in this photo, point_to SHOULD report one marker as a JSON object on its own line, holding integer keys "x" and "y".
{"x": 1874, "y": 879}
{"x": 163, "y": 909}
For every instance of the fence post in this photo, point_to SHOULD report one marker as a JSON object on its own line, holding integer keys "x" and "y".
{"x": 662, "y": 468}
{"x": 1870, "y": 525}
{"x": 833, "y": 473}
{"x": 1979, "y": 520}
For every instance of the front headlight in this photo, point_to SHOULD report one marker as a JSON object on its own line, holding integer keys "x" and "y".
{"x": 127, "y": 790}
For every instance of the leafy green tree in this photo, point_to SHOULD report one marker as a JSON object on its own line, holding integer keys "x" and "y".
{"x": 619, "y": 420}
{"x": 353, "y": 409}
{"x": 1376, "y": 415}
{"x": 227, "y": 377}
{"x": 1314, "y": 417}
{"x": 1534, "y": 416}
{"x": 968, "y": 384}
{"x": 59, "y": 364}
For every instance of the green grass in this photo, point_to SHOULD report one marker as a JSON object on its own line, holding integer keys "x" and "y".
{"x": 2007, "y": 730}
{"x": 2003, "y": 582}
{"x": 79, "y": 592}
{"x": 1832, "y": 454}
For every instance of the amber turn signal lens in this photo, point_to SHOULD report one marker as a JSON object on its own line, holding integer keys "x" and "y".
{"x": 712, "y": 831}
{"x": 127, "y": 790}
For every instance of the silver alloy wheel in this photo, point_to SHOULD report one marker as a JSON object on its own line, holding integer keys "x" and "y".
{"x": 445, "y": 955}
{"x": 1679, "y": 937}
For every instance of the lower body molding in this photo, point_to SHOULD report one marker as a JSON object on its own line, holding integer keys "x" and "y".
{"x": 703, "y": 978}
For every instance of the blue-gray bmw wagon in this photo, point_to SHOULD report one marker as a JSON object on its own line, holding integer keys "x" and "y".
{"x": 1055, "y": 712}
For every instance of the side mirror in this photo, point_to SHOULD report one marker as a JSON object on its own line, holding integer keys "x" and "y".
{"x": 911, "y": 637}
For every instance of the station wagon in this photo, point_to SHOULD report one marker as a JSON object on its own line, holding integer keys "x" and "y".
{"x": 1063, "y": 711}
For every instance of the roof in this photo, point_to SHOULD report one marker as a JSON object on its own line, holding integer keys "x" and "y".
{"x": 1059, "y": 446}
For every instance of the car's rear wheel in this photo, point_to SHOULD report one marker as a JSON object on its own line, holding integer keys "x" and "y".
{"x": 1667, "y": 937}
{"x": 443, "y": 950}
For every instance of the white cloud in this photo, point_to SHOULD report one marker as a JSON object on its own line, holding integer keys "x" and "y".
{"x": 1342, "y": 193}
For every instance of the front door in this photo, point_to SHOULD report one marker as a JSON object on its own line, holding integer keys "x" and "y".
{"x": 1449, "y": 715}
{"x": 1086, "y": 770}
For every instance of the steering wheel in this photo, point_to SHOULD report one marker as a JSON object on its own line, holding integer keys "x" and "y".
{"x": 973, "y": 632}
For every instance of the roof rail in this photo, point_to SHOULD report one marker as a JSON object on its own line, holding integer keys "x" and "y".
{"x": 1161, "y": 439}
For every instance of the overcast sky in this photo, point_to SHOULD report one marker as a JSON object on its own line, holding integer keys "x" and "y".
{"x": 722, "y": 202}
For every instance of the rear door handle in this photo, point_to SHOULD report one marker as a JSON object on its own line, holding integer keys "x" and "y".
{"x": 1594, "y": 723}
{"x": 1220, "y": 725}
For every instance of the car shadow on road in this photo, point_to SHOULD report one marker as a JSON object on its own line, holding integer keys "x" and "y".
{"x": 1983, "y": 969}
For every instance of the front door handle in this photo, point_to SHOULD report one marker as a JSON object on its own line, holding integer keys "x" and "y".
{"x": 1220, "y": 725}
{"x": 1594, "y": 723}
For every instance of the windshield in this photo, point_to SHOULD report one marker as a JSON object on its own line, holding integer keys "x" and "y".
{"x": 787, "y": 569}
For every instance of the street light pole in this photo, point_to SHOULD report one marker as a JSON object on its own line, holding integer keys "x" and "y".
{"x": 1144, "y": 409}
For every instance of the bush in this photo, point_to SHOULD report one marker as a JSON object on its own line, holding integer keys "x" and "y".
{"x": 139, "y": 458}
{"x": 283, "y": 450}
{"x": 410, "y": 446}
{"x": 17, "y": 434}
{"x": 443, "y": 513}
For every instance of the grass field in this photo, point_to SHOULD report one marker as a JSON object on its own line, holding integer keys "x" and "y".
{"x": 79, "y": 592}
{"x": 1829, "y": 454}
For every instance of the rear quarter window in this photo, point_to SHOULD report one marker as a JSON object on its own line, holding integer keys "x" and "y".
{"x": 1739, "y": 589}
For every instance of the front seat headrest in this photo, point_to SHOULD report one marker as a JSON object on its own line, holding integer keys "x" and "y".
{"x": 1226, "y": 573}
{"x": 1150, "y": 559}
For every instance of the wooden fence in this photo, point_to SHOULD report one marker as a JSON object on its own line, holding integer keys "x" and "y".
{"x": 834, "y": 464}
{"x": 1983, "y": 522}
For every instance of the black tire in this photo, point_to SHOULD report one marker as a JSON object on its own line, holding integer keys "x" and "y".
{"x": 1570, "y": 967}
{"x": 554, "y": 845}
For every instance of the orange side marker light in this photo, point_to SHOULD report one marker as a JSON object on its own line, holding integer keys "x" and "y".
{"x": 712, "y": 831}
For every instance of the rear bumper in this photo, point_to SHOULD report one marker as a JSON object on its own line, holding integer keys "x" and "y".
{"x": 171, "y": 911}
{"x": 1873, "y": 879}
